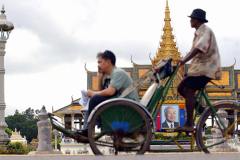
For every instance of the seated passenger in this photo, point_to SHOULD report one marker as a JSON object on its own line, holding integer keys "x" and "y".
{"x": 119, "y": 81}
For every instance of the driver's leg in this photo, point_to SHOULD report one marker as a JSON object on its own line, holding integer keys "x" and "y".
{"x": 189, "y": 94}
{"x": 187, "y": 88}
{"x": 190, "y": 103}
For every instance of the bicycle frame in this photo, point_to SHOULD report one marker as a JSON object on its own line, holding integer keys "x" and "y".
{"x": 203, "y": 96}
{"x": 160, "y": 94}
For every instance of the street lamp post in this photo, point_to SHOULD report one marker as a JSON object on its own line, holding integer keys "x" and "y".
{"x": 5, "y": 28}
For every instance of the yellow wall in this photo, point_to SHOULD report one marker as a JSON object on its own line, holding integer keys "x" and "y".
{"x": 238, "y": 76}
{"x": 95, "y": 83}
{"x": 141, "y": 72}
{"x": 224, "y": 79}
{"x": 220, "y": 94}
{"x": 74, "y": 108}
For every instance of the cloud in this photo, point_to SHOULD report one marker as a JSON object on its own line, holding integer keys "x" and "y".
{"x": 73, "y": 30}
{"x": 229, "y": 49}
{"x": 57, "y": 42}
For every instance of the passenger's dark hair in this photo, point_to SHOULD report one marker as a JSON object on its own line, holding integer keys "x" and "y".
{"x": 107, "y": 55}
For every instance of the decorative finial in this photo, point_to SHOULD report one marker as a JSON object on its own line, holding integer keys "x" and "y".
{"x": 152, "y": 61}
{"x": 43, "y": 110}
{"x": 167, "y": 3}
{"x": 234, "y": 63}
{"x": 132, "y": 61}
{"x": 85, "y": 67}
{"x": 3, "y": 10}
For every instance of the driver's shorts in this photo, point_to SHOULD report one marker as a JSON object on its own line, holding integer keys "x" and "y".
{"x": 195, "y": 82}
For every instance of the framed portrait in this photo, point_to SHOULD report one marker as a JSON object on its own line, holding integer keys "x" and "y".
{"x": 170, "y": 117}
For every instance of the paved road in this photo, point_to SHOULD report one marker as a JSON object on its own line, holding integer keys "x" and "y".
{"x": 151, "y": 156}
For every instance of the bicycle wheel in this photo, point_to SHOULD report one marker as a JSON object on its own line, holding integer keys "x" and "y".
{"x": 219, "y": 133}
{"x": 119, "y": 127}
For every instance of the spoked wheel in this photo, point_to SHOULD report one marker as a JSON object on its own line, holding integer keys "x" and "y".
{"x": 119, "y": 127}
{"x": 219, "y": 133}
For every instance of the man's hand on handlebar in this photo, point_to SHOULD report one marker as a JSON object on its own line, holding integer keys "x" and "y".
{"x": 181, "y": 62}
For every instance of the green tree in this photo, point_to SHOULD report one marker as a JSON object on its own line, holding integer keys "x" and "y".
{"x": 8, "y": 131}
{"x": 29, "y": 113}
{"x": 17, "y": 148}
{"x": 25, "y": 122}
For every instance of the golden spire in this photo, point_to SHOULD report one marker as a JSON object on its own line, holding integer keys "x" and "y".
{"x": 167, "y": 48}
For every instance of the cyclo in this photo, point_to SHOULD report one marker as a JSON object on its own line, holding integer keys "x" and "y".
{"x": 114, "y": 124}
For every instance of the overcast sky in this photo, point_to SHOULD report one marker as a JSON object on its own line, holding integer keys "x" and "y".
{"x": 53, "y": 39}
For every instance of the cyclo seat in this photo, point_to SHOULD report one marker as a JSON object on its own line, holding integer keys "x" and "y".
{"x": 164, "y": 68}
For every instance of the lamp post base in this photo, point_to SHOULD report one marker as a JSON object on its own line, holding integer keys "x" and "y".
{"x": 4, "y": 139}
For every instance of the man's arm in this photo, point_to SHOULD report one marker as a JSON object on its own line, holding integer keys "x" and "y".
{"x": 190, "y": 55}
{"x": 110, "y": 91}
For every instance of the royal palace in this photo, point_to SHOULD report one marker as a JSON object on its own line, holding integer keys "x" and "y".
{"x": 167, "y": 49}
{"x": 230, "y": 79}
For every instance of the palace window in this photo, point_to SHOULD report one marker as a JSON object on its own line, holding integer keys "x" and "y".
{"x": 68, "y": 121}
